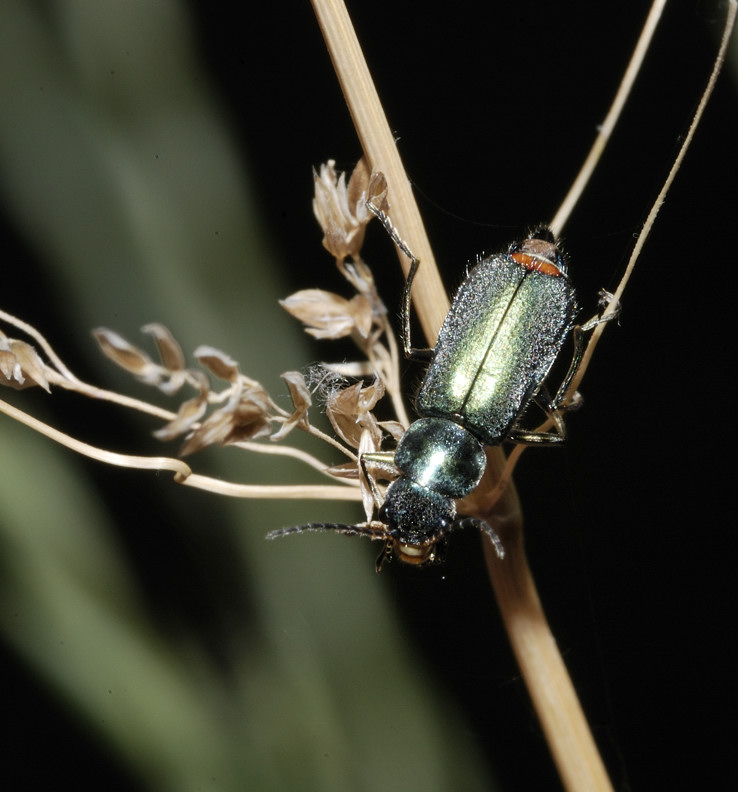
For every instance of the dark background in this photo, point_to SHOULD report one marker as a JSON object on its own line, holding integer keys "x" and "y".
{"x": 495, "y": 106}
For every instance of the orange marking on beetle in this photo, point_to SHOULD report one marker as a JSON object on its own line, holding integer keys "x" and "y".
{"x": 536, "y": 263}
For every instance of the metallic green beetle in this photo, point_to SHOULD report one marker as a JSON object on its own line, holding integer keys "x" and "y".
{"x": 501, "y": 336}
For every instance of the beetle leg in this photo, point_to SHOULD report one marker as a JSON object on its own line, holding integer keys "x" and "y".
{"x": 383, "y": 460}
{"x": 604, "y": 299}
{"x": 555, "y": 407}
{"x": 578, "y": 337}
{"x": 537, "y": 437}
{"x": 410, "y": 352}
{"x": 384, "y": 556}
{"x": 486, "y": 528}
{"x": 523, "y": 437}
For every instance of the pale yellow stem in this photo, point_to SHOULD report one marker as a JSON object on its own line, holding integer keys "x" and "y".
{"x": 512, "y": 580}
{"x": 568, "y": 736}
{"x": 613, "y": 114}
{"x": 182, "y": 472}
{"x": 379, "y": 148}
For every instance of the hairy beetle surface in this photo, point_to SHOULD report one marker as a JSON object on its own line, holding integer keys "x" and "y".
{"x": 501, "y": 336}
{"x": 505, "y": 328}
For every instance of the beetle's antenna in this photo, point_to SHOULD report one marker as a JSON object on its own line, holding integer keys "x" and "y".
{"x": 486, "y": 528}
{"x": 378, "y": 532}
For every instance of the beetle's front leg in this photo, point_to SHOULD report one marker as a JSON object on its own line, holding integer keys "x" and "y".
{"x": 381, "y": 460}
{"x": 410, "y": 352}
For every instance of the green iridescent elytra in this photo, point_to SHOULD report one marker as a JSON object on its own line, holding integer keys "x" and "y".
{"x": 502, "y": 334}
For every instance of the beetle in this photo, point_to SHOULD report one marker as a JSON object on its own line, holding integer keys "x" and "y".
{"x": 504, "y": 330}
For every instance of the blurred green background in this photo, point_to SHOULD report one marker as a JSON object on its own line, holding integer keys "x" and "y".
{"x": 172, "y": 638}
{"x": 155, "y": 166}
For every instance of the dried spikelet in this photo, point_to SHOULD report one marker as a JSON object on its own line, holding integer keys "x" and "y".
{"x": 341, "y": 209}
{"x": 301, "y": 400}
{"x": 168, "y": 376}
{"x": 241, "y": 409}
{"x": 20, "y": 365}
{"x": 350, "y": 412}
{"x": 328, "y": 315}
{"x": 246, "y": 410}
{"x": 245, "y": 417}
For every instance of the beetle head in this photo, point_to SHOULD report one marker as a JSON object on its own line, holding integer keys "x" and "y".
{"x": 540, "y": 251}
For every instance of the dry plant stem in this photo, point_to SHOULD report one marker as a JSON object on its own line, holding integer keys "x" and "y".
{"x": 248, "y": 491}
{"x": 573, "y": 746}
{"x": 182, "y": 471}
{"x": 295, "y": 453}
{"x": 613, "y": 114}
{"x": 31, "y": 332}
{"x": 549, "y": 685}
{"x": 564, "y": 724}
{"x": 658, "y": 203}
{"x": 562, "y": 216}
{"x": 381, "y": 152}
{"x": 94, "y": 392}
{"x": 62, "y": 377}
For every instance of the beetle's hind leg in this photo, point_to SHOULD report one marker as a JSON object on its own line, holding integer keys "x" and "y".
{"x": 554, "y": 408}
{"x": 410, "y": 352}
{"x": 605, "y": 298}
{"x": 538, "y": 437}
